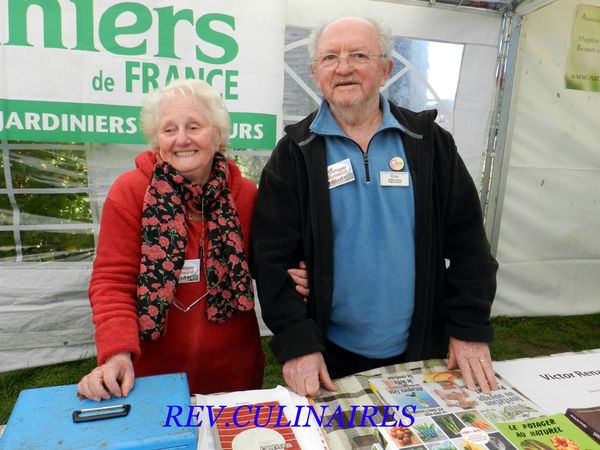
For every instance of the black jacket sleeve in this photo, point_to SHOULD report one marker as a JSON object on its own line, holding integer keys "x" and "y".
{"x": 277, "y": 245}
{"x": 470, "y": 279}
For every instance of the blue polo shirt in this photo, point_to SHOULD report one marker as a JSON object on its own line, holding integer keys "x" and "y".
{"x": 373, "y": 238}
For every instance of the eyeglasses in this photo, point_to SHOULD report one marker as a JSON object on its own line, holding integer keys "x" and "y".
{"x": 354, "y": 59}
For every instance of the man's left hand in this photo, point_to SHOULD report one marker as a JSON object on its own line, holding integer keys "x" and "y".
{"x": 473, "y": 359}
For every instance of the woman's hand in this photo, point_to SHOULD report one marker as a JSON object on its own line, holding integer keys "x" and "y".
{"x": 114, "y": 377}
{"x": 300, "y": 278}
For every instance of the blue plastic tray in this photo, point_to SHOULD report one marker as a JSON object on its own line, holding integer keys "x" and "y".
{"x": 43, "y": 418}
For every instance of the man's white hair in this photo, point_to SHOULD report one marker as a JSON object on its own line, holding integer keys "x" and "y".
{"x": 384, "y": 35}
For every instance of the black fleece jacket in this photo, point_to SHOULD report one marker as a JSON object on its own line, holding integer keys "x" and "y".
{"x": 455, "y": 272}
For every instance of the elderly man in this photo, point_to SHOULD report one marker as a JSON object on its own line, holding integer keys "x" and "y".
{"x": 377, "y": 201}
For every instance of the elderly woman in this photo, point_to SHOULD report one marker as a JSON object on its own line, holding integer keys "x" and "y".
{"x": 171, "y": 290}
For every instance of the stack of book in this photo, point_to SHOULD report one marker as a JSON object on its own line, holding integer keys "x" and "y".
{"x": 588, "y": 419}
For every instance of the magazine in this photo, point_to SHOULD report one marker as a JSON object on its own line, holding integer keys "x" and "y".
{"x": 368, "y": 399}
{"x": 447, "y": 415}
{"x": 588, "y": 419}
{"x": 436, "y": 393}
{"x": 554, "y": 432}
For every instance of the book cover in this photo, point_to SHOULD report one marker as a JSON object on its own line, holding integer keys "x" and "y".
{"x": 257, "y": 426}
{"x": 265, "y": 419}
{"x": 554, "y": 432}
{"x": 588, "y": 419}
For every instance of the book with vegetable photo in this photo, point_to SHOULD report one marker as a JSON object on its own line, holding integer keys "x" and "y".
{"x": 554, "y": 432}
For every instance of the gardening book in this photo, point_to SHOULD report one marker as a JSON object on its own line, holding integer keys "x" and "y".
{"x": 554, "y": 432}
{"x": 588, "y": 419}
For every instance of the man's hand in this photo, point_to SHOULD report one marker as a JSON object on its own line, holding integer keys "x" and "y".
{"x": 114, "y": 377}
{"x": 300, "y": 278}
{"x": 304, "y": 373}
{"x": 473, "y": 358}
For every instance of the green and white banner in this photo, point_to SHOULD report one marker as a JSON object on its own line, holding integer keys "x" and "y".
{"x": 78, "y": 70}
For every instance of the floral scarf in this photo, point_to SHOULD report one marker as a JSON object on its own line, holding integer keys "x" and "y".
{"x": 164, "y": 240}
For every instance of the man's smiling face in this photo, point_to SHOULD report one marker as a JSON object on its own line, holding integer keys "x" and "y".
{"x": 344, "y": 85}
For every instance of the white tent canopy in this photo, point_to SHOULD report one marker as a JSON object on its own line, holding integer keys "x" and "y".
{"x": 545, "y": 223}
{"x": 542, "y": 213}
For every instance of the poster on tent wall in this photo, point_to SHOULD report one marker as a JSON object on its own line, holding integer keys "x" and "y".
{"x": 78, "y": 70}
{"x": 583, "y": 63}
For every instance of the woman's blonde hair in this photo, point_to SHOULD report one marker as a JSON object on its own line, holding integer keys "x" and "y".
{"x": 198, "y": 91}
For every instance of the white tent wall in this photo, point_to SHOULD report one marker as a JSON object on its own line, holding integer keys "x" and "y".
{"x": 43, "y": 296}
{"x": 44, "y": 310}
{"x": 45, "y": 315}
{"x": 548, "y": 243}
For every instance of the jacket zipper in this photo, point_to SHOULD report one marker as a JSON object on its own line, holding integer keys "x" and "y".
{"x": 366, "y": 163}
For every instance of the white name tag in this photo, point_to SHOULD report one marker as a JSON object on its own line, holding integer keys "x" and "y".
{"x": 340, "y": 173}
{"x": 394, "y": 179}
{"x": 190, "y": 272}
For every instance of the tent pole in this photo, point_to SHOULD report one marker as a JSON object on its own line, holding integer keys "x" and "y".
{"x": 496, "y": 155}
{"x": 483, "y": 7}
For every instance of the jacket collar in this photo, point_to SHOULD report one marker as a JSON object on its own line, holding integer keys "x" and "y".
{"x": 325, "y": 124}
{"x": 415, "y": 124}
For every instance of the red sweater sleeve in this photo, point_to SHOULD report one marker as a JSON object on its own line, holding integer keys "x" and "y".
{"x": 113, "y": 285}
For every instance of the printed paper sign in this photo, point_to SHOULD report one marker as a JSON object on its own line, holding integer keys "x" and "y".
{"x": 541, "y": 378}
{"x": 583, "y": 63}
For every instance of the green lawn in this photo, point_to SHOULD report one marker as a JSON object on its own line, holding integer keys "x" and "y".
{"x": 516, "y": 337}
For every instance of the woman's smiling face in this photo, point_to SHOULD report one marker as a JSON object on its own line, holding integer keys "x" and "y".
{"x": 186, "y": 139}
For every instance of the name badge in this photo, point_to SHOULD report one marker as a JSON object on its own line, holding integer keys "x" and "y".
{"x": 394, "y": 179}
{"x": 190, "y": 272}
{"x": 340, "y": 173}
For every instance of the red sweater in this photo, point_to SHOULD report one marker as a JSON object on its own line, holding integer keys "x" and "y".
{"x": 216, "y": 357}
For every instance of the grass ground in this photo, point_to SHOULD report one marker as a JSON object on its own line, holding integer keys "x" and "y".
{"x": 516, "y": 337}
